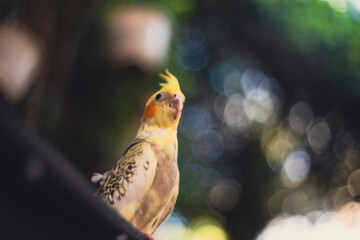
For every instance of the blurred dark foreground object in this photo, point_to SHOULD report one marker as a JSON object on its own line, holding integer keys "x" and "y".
{"x": 43, "y": 196}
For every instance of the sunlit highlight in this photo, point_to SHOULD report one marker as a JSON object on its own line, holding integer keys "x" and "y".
{"x": 203, "y": 228}
{"x": 192, "y": 54}
{"x": 234, "y": 113}
{"x": 225, "y": 195}
{"x": 194, "y": 120}
{"x": 316, "y": 225}
{"x": 296, "y": 166}
{"x": 300, "y": 116}
{"x": 342, "y": 143}
{"x": 172, "y": 229}
{"x": 319, "y": 135}
{"x": 353, "y": 184}
{"x": 339, "y": 5}
{"x": 277, "y": 144}
{"x": 208, "y": 229}
{"x": 208, "y": 145}
{"x": 355, "y": 4}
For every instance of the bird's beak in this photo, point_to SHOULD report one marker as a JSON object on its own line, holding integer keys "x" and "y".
{"x": 176, "y": 105}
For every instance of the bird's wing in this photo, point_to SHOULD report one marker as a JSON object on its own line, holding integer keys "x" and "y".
{"x": 128, "y": 182}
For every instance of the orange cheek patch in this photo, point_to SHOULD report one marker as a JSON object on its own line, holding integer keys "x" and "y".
{"x": 150, "y": 110}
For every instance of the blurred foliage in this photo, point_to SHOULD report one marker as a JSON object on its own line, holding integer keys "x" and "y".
{"x": 329, "y": 30}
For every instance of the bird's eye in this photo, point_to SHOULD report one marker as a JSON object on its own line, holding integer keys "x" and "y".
{"x": 158, "y": 97}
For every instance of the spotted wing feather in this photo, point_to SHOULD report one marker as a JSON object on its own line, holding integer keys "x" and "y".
{"x": 113, "y": 183}
{"x": 126, "y": 185}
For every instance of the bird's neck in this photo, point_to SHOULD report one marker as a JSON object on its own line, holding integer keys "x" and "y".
{"x": 156, "y": 134}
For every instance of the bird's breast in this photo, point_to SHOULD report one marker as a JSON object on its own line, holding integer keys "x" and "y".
{"x": 159, "y": 200}
{"x": 167, "y": 171}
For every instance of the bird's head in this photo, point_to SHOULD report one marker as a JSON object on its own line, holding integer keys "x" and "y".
{"x": 164, "y": 107}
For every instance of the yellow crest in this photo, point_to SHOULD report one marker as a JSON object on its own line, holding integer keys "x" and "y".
{"x": 171, "y": 82}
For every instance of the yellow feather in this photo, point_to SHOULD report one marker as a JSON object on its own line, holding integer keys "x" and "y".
{"x": 171, "y": 82}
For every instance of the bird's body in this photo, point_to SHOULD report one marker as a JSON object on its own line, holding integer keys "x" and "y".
{"x": 144, "y": 184}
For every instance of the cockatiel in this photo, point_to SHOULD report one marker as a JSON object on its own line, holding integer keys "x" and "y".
{"x": 144, "y": 184}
